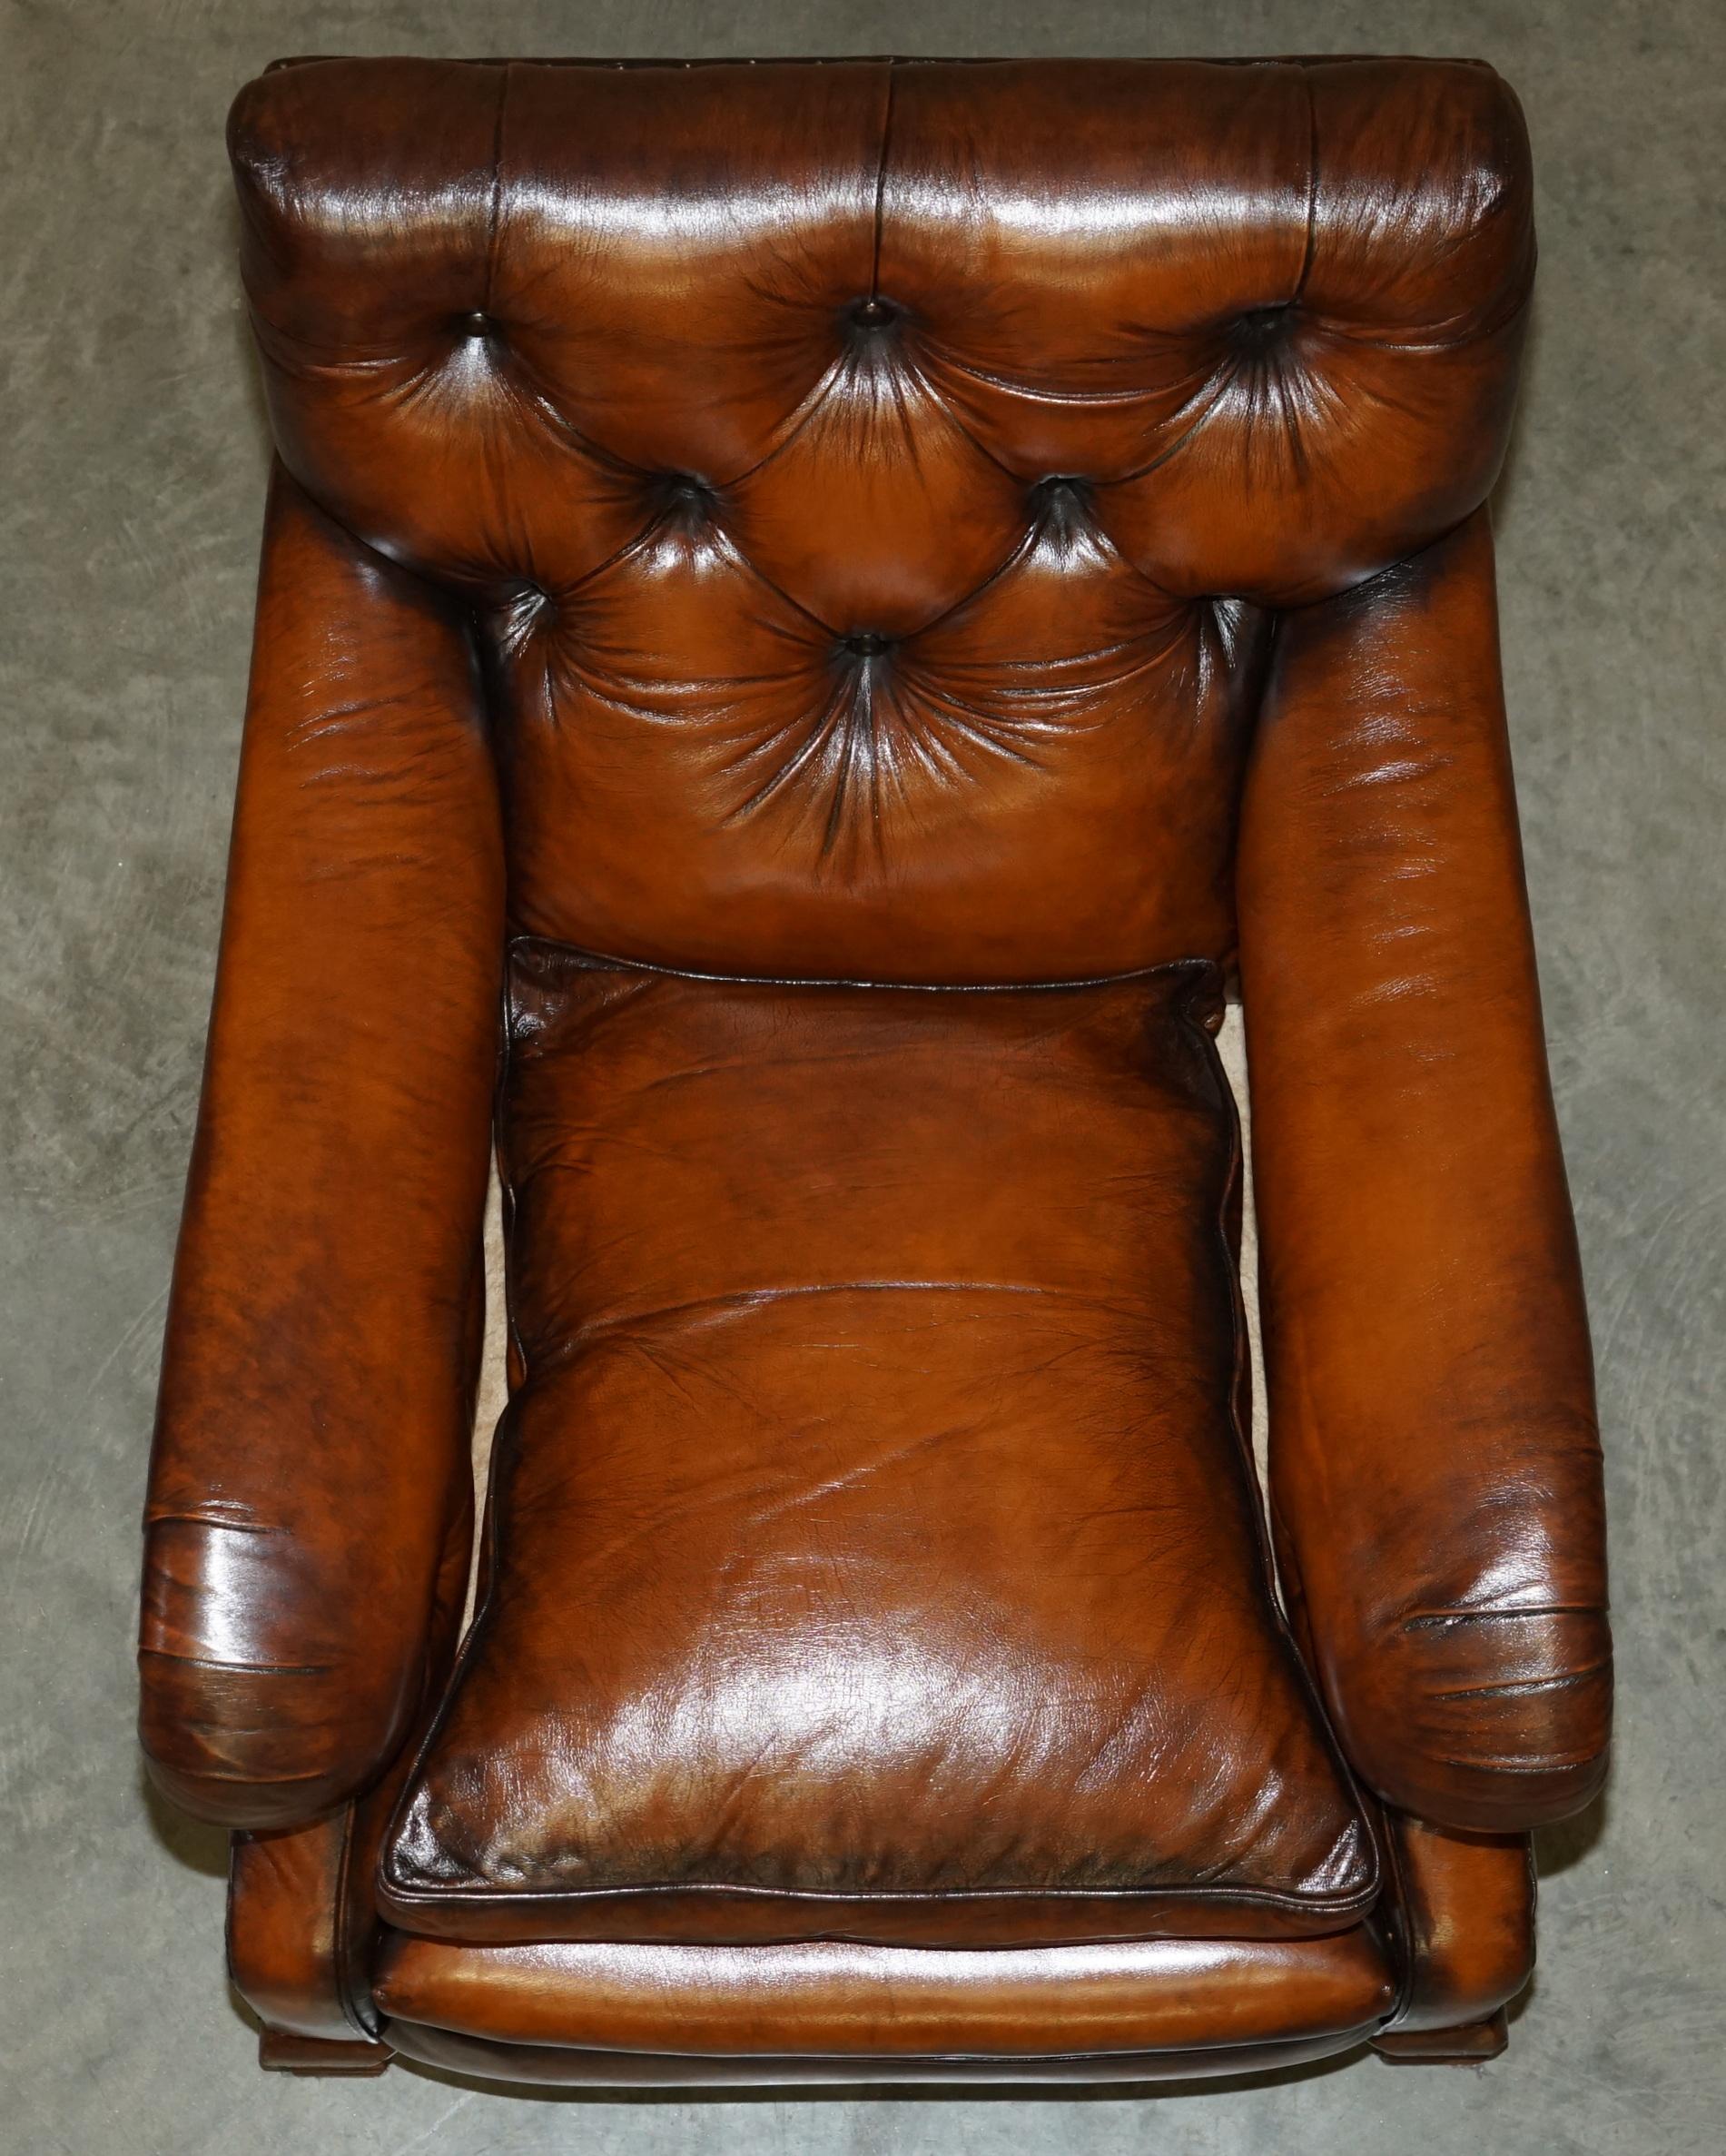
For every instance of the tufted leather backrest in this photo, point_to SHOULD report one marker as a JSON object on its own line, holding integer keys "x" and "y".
{"x": 874, "y": 483}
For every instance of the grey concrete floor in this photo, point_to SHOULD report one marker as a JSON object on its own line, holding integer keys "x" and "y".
{"x": 134, "y": 456}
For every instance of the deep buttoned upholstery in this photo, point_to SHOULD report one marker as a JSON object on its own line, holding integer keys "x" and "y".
{"x": 815, "y": 619}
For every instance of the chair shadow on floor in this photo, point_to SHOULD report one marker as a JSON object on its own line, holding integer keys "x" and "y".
{"x": 193, "y": 1843}
{"x": 201, "y": 1847}
{"x": 1568, "y": 1841}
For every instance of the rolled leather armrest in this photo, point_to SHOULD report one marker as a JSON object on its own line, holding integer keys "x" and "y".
{"x": 310, "y": 1466}
{"x": 302, "y": 1913}
{"x": 1434, "y": 1466}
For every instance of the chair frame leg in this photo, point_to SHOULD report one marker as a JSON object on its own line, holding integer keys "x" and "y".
{"x": 1471, "y": 2044}
{"x": 281, "y": 2052}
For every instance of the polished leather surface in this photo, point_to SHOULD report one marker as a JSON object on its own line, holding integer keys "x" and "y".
{"x": 1463, "y": 1910}
{"x": 281, "y": 2052}
{"x": 733, "y": 2001}
{"x": 869, "y": 478}
{"x": 1434, "y": 1460}
{"x": 976, "y": 526}
{"x": 303, "y": 1911}
{"x": 295, "y": 1953}
{"x": 1474, "y": 2043}
{"x": 564, "y": 2066}
{"x": 872, "y": 1525}
{"x": 310, "y": 1482}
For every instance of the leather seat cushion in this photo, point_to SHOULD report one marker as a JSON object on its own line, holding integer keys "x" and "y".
{"x": 554, "y": 2065}
{"x": 874, "y": 1553}
{"x": 831, "y": 1999}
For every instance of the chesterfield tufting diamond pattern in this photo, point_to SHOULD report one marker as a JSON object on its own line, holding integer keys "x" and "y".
{"x": 851, "y": 603}
{"x": 822, "y": 472}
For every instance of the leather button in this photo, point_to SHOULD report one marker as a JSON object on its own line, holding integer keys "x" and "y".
{"x": 476, "y": 324}
{"x": 1060, "y": 506}
{"x": 682, "y": 496}
{"x": 1261, "y": 326}
{"x": 865, "y": 644}
{"x": 1059, "y": 489}
{"x": 873, "y": 313}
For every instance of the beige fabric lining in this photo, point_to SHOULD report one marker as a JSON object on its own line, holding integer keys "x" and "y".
{"x": 1231, "y": 1046}
{"x": 494, "y": 1377}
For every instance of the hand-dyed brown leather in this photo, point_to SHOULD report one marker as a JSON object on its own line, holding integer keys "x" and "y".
{"x": 310, "y": 1470}
{"x": 561, "y": 2066}
{"x": 280, "y": 2052}
{"x": 302, "y": 1913}
{"x": 1463, "y": 1911}
{"x": 1474, "y": 2043}
{"x": 875, "y": 1554}
{"x": 299, "y": 1904}
{"x": 870, "y": 478}
{"x": 835, "y": 519}
{"x": 833, "y": 2000}
{"x": 1434, "y": 1466}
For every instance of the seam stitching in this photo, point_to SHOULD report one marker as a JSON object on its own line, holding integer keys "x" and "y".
{"x": 605, "y": 961}
{"x": 881, "y": 177}
{"x": 1304, "y": 1680}
{"x": 1312, "y": 191}
{"x": 496, "y": 182}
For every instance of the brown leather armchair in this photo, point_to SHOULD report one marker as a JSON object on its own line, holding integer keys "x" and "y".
{"x": 815, "y": 619}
